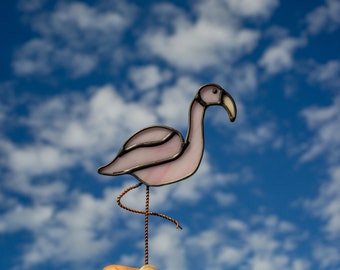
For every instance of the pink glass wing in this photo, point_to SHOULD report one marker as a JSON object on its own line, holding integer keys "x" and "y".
{"x": 146, "y": 148}
{"x": 148, "y": 136}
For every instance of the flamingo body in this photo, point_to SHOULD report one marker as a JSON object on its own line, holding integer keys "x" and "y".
{"x": 147, "y": 148}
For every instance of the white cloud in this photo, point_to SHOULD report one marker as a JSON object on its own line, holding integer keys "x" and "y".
{"x": 25, "y": 218}
{"x": 89, "y": 126}
{"x": 243, "y": 245}
{"x": 201, "y": 45}
{"x": 299, "y": 264}
{"x": 150, "y": 76}
{"x": 236, "y": 225}
{"x": 39, "y": 189}
{"x": 327, "y": 204}
{"x": 260, "y": 135}
{"x": 324, "y": 17}
{"x": 175, "y": 102}
{"x": 205, "y": 42}
{"x": 263, "y": 263}
{"x": 244, "y": 80}
{"x": 325, "y": 123}
{"x": 167, "y": 11}
{"x": 74, "y": 36}
{"x": 225, "y": 199}
{"x": 232, "y": 11}
{"x": 215, "y": 37}
{"x": 279, "y": 57}
{"x": 327, "y": 256}
{"x": 77, "y": 233}
{"x": 69, "y": 131}
{"x": 251, "y": 8}
{"x": 33, "y": 57}
{"x": 263, "y": 243}
{"x": 79, "y": 64}
{"x": 205, "y": 180}
{"x": 230, "y": 256}
{"x": 170, "y": 252}
{"x": 34, "y": 160}
{"x": 327, "y": 74}
{"x": 30, "y": 5}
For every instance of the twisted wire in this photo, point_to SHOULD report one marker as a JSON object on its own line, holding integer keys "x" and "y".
{"x": 178, "y": 226}
{"x": 146, "y": 213}
{"x": 146, "y": 225}
{"x": 126, "y": 207}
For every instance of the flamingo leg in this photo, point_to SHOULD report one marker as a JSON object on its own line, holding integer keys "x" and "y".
{"x": 178, "y": 226}
{"x": 146, "y": 214}
{"x": 126, "y": 207}
{"x": 146, "y": 225}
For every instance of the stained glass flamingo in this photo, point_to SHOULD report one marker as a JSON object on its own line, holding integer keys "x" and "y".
{"x": 159, "y": 155}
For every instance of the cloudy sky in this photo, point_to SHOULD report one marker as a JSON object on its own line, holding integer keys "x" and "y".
{"x": 77, "y": 78}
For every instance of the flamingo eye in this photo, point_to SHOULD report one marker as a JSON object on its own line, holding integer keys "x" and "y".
{"x": 214, "y": 91}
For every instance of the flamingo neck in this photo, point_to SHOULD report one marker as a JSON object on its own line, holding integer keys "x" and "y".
{"x": 195, "y": 129}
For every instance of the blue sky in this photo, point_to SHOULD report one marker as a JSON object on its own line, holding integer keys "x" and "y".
{"x": 77, "y": 78}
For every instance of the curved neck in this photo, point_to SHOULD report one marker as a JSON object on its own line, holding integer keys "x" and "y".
{"x": 195, "y": 129}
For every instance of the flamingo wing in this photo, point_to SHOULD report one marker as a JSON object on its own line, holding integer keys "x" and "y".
{"x": 146, "y": 148}
{"x": 151, "y": 136}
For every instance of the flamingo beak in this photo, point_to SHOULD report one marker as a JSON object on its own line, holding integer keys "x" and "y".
{"x": 229, "y": 104}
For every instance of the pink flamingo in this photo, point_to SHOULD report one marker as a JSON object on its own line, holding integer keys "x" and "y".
{"x": 158, "y": 155}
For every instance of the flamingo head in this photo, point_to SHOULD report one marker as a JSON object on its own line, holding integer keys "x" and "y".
{"x": 213, "y": 94}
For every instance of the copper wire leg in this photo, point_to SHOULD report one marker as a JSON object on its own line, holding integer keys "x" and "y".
{"x": 178, "y": 226}
{"x": 126, "y": 207}
{"x": 146, "y": 225}
{"x": 146, "y": 213}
